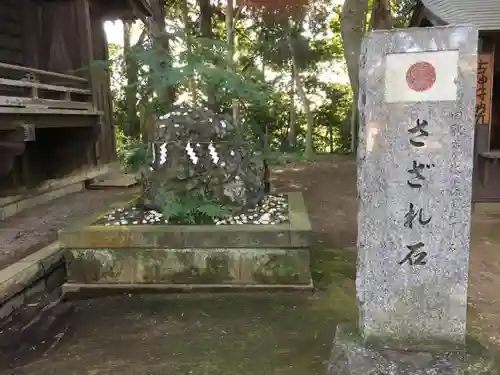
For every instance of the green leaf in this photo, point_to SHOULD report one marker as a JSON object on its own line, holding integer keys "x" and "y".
{"x": 213, "y": 210}
{"x": 172, "y": 208}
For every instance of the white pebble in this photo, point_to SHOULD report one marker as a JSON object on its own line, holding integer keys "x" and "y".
{"x": 266, "y": 217}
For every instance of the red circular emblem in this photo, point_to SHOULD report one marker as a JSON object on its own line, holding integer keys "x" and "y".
{"x": 421, "y": 76}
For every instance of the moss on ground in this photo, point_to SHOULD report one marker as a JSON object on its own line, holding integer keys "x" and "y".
{"x": 259, "y": 334}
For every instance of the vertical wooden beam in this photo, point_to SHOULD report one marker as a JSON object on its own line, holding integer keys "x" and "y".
{"x": 16, "y": 172}
{"x": 489, "y": 102}
{"x": 30, "y": 12}
{"x": 87, "y": 56}
{"x": 27, "y": 177}
{"x": 107, "y": 128}
{"x": 85, "y": 40}
{"x": 30, "y": 17}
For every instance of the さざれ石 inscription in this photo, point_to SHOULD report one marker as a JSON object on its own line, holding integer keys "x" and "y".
{"x": 416, "y": 170}
{"x": 416, "y": 256}
{"x": 411, "y": 215}
{"x": 420, "y": 129}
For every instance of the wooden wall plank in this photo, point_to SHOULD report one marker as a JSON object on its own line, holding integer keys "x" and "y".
{"x": 9, "y": 11}
{"x": 11, "y": 57}
{"x": 31, "y": 33}
{"x": 9, "y": 27}
{"x": 11, "y": 46}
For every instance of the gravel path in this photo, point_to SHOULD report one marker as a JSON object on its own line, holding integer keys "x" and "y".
{"x": 29, "y": 231}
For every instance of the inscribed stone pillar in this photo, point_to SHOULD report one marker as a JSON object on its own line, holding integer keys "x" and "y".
{"x": 415, "y": 184}
{"x": 417, "y": 101}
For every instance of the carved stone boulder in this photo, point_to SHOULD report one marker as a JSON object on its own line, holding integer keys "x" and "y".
{"x": 197, "y": 151}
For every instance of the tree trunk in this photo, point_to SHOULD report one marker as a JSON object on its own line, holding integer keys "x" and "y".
{"x": 352, "y": 22}
{"x": 189, "y": 49}
{"x": 132, "y": 126}
{"x": 381, "y": 18}
{"x": 354, "y": 125}
{"x": 309, "y": 152}
{"x": 161, "y": 43}
{"x": 292, "y": 132}
{"x": 230, "y": 30}
{"x": 207, "y": 32}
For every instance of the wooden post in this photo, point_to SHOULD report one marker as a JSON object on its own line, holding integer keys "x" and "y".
{"x": 31, "y": 32}
{"x": 27, "y": 178}
{"x": 87, "y": 57}
{"x": 108, "y": 152}
{"x": 85, "y": 42}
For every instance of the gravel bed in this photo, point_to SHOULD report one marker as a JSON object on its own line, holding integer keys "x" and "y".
{"x": 272, "y": 210}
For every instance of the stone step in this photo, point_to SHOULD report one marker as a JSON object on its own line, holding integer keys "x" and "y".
{"x": 113, "y": 180}
{"x": 94, "y": 289}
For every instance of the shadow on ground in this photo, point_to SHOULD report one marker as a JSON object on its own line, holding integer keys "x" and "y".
{"x": 256, "y": 334}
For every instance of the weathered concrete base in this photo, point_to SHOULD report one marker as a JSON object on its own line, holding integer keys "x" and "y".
{"x": 174, "y": 255}
{"x": 189, "y": 266}
{"x": 105, "y": 289}
{"x": 351, "y": 357}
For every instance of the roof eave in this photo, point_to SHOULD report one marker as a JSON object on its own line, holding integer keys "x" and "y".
{"x": 421, "y": 11}
{"x": 125, "y": 9}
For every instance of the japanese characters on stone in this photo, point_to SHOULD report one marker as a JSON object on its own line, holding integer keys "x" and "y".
{"x": 416, "y": 254}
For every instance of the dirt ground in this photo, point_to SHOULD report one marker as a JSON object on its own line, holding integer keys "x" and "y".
{"x": 252, "y": 334}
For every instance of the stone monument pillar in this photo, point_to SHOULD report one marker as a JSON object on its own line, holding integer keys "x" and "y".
{"x": 417, "y": 102}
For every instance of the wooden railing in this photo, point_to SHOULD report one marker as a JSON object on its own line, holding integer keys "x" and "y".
{"x": 29, "y": 96}
{"x": 42, "y": 72}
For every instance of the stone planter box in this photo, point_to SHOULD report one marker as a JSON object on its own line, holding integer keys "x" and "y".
{"x": 172, "y": 256}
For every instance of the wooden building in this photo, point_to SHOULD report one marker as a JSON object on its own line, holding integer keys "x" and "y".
{"x": 55, "y": 101}
{"x": 485, "y": 15}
